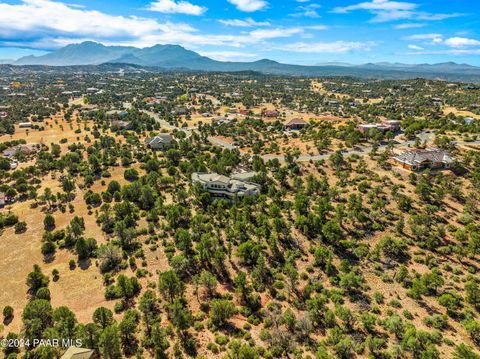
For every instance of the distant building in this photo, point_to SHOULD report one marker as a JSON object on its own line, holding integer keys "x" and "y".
{"x": 226, "y": 187}
{"x": 160, "y": 142}
{"x": 152, "y": 101}
{"x": 270, "y": 113}
{"x": 180, "y": 110}
{"x": 468, "y": 120}
{"x": 333, "y": 103}
{"x": 119, "y": 113}
{"x": 417, "y": 160}
{"x": 25, "y": 125}
{"x": 24, "y": 149}
{"x": 220, "y": 120}
{"x": 295, "y": 124}
{"x": 121, "y": 125}
{"x": 385, "y": 126}
{"x": 393, "y": 124}
{"x": 77, "y": 353}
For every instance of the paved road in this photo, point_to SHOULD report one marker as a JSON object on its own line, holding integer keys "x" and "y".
{"x": 221, "y": 143}
{"x": 188, "y": 130}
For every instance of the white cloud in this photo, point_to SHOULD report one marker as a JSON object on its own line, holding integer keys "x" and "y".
{"x": 34, "y": 19}
{"x": 451, "y": 52}
{"x": 415, "y": 47}
{"x": 307, "y": 11}
{"x": 47, "y": 24}
{"x": 378, "y": 5}
{"x": 229, "y": 55}
{"x": 317, "y": 27}
{"x": 264, "y": 34}
{"x": 387, "y": 10}
{"x": 248, "y": 22}
{"x": 249, "y": 5}
{"x": 432, "y": 38}
{"x": 328, "y": 47}
{"x": 409, "y": 26}
{"x": 179, "y": 7}
{"x": 438, "y": 39}
{"x": 461, "y": 42}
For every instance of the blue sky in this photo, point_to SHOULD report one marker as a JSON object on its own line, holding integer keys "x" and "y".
{"x": 292, "y": 31}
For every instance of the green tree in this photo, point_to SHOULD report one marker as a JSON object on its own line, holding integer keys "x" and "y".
{"x": 220, "y": 311}
{"x": 109, "y": 343}
{"x": 49, "y": 222}
{"x": 103, "y": 317}
{"x": 36, "y": 279}
{"x": 37, "y": 316}
{"x": 170, "y": 285}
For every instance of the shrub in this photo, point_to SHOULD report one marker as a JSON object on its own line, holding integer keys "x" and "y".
{"x": 7, "y": 312}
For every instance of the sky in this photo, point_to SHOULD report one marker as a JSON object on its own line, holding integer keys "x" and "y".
{"x": 306, "y": 32}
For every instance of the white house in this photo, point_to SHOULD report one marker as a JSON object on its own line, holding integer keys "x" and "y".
{"x": 225, "y": 187}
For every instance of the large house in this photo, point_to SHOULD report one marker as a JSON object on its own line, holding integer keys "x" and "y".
{"x": 226, "y": 187}
{"x": 417, "y": 160}
{"x": 383, "y": 127}
{"x": 295, "y": 124}
{"x": 25, "y": 149}
{"x": 160, "y": 142}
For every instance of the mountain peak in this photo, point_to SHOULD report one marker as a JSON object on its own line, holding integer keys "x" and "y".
{"x": 171, "y": 56}
{"x": 266, "y": 62}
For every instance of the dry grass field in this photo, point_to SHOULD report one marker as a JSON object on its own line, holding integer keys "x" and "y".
{"x": 457, "y": 112}
{"x": 81, "y": 289}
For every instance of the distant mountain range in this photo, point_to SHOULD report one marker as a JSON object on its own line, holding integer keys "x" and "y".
{"x": 175, "y": 57}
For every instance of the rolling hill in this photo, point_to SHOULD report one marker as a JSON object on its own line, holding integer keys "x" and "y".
{"x": 175, "y": 57}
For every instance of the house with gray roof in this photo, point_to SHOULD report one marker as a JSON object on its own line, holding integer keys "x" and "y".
{"x": 160, "y": 141}
{"x": 221, "y": 186}
{"x": 432, "y": 158}
{"x": 295, "y": 124}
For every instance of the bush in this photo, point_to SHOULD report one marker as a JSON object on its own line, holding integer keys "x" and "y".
{"x": 48, "y": 248}
{"x": 220, "y": 311}
{"x": 131, "y": 174}
{"x": 7, "y": 312}
{"x": 49, "y": 222}
{"x": 43, "y": 293}
{"x": 20, "y": 227}
{"x": 55, "y": 274}
{"x": 71, "y": 264}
